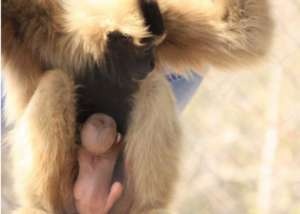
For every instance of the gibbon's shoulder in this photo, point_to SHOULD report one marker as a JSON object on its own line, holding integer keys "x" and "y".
{"x": 72, "y": 29}
{"x": 223, "y": 33}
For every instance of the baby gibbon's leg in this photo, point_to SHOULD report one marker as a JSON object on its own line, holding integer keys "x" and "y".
{"x": 44, "y": 149}
{"x": 153, "y": 148}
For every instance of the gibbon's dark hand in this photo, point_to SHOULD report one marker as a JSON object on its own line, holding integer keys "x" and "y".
{"x": 93, "y": 191}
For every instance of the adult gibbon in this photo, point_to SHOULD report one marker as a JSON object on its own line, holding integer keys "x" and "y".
{"x": 64, "y": 60}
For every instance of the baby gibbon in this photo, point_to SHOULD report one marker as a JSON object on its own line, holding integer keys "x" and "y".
{"x": 64, "y": 60}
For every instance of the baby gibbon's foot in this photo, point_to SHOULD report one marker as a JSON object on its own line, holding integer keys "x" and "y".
{"x": 93, "y": 190}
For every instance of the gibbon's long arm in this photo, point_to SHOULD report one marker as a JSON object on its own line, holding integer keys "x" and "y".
{"x": 220, "y": 32}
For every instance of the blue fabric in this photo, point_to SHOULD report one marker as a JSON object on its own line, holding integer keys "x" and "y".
{"x": 2, "y": 108}
{"x": 2, "y": 119}
{"x": 184, "y": 88}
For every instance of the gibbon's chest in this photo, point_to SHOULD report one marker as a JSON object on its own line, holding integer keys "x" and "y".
{"x": 96, "y": 93}
{"x": 109, "y": 87}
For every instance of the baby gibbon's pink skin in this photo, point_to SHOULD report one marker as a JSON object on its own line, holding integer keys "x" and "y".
{"x": 99, "y": 133}
{"x": 93, "y": 190}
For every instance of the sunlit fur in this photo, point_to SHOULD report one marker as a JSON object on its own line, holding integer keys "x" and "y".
{"x": 70, "y": 34}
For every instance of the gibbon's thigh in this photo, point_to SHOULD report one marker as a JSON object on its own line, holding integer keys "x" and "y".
{"x": 44, "y": 149}
{"x": 21, "y": 77}
{"x": 152, "y": 149}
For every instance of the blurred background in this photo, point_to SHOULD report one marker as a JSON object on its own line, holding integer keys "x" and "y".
{"x": 243, "y": 132}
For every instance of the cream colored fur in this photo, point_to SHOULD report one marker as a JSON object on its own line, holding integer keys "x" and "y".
{"x": 145, "y": 150}
{"x": 44, "y": 151}
{"x": 90, "y": 21}
{"x": 69, "y": 34}
{"x": 224, "y": 33}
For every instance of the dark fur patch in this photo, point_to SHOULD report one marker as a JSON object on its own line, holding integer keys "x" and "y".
{"x": 108, "y": 87}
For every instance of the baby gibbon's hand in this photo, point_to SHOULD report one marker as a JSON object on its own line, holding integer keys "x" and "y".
{"x": 93, "y": 191}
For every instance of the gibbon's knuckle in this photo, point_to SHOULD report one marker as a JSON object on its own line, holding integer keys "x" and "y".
{"x": 153, "y": 17}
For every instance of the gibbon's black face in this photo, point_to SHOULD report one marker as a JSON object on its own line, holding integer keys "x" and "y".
{"x": 133, "y": 62}
{"x": 108, "y": 87}
{"x": 125, "y": 62}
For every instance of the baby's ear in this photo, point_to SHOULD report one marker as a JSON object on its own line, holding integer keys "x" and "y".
{"x": 224, "y": 33}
